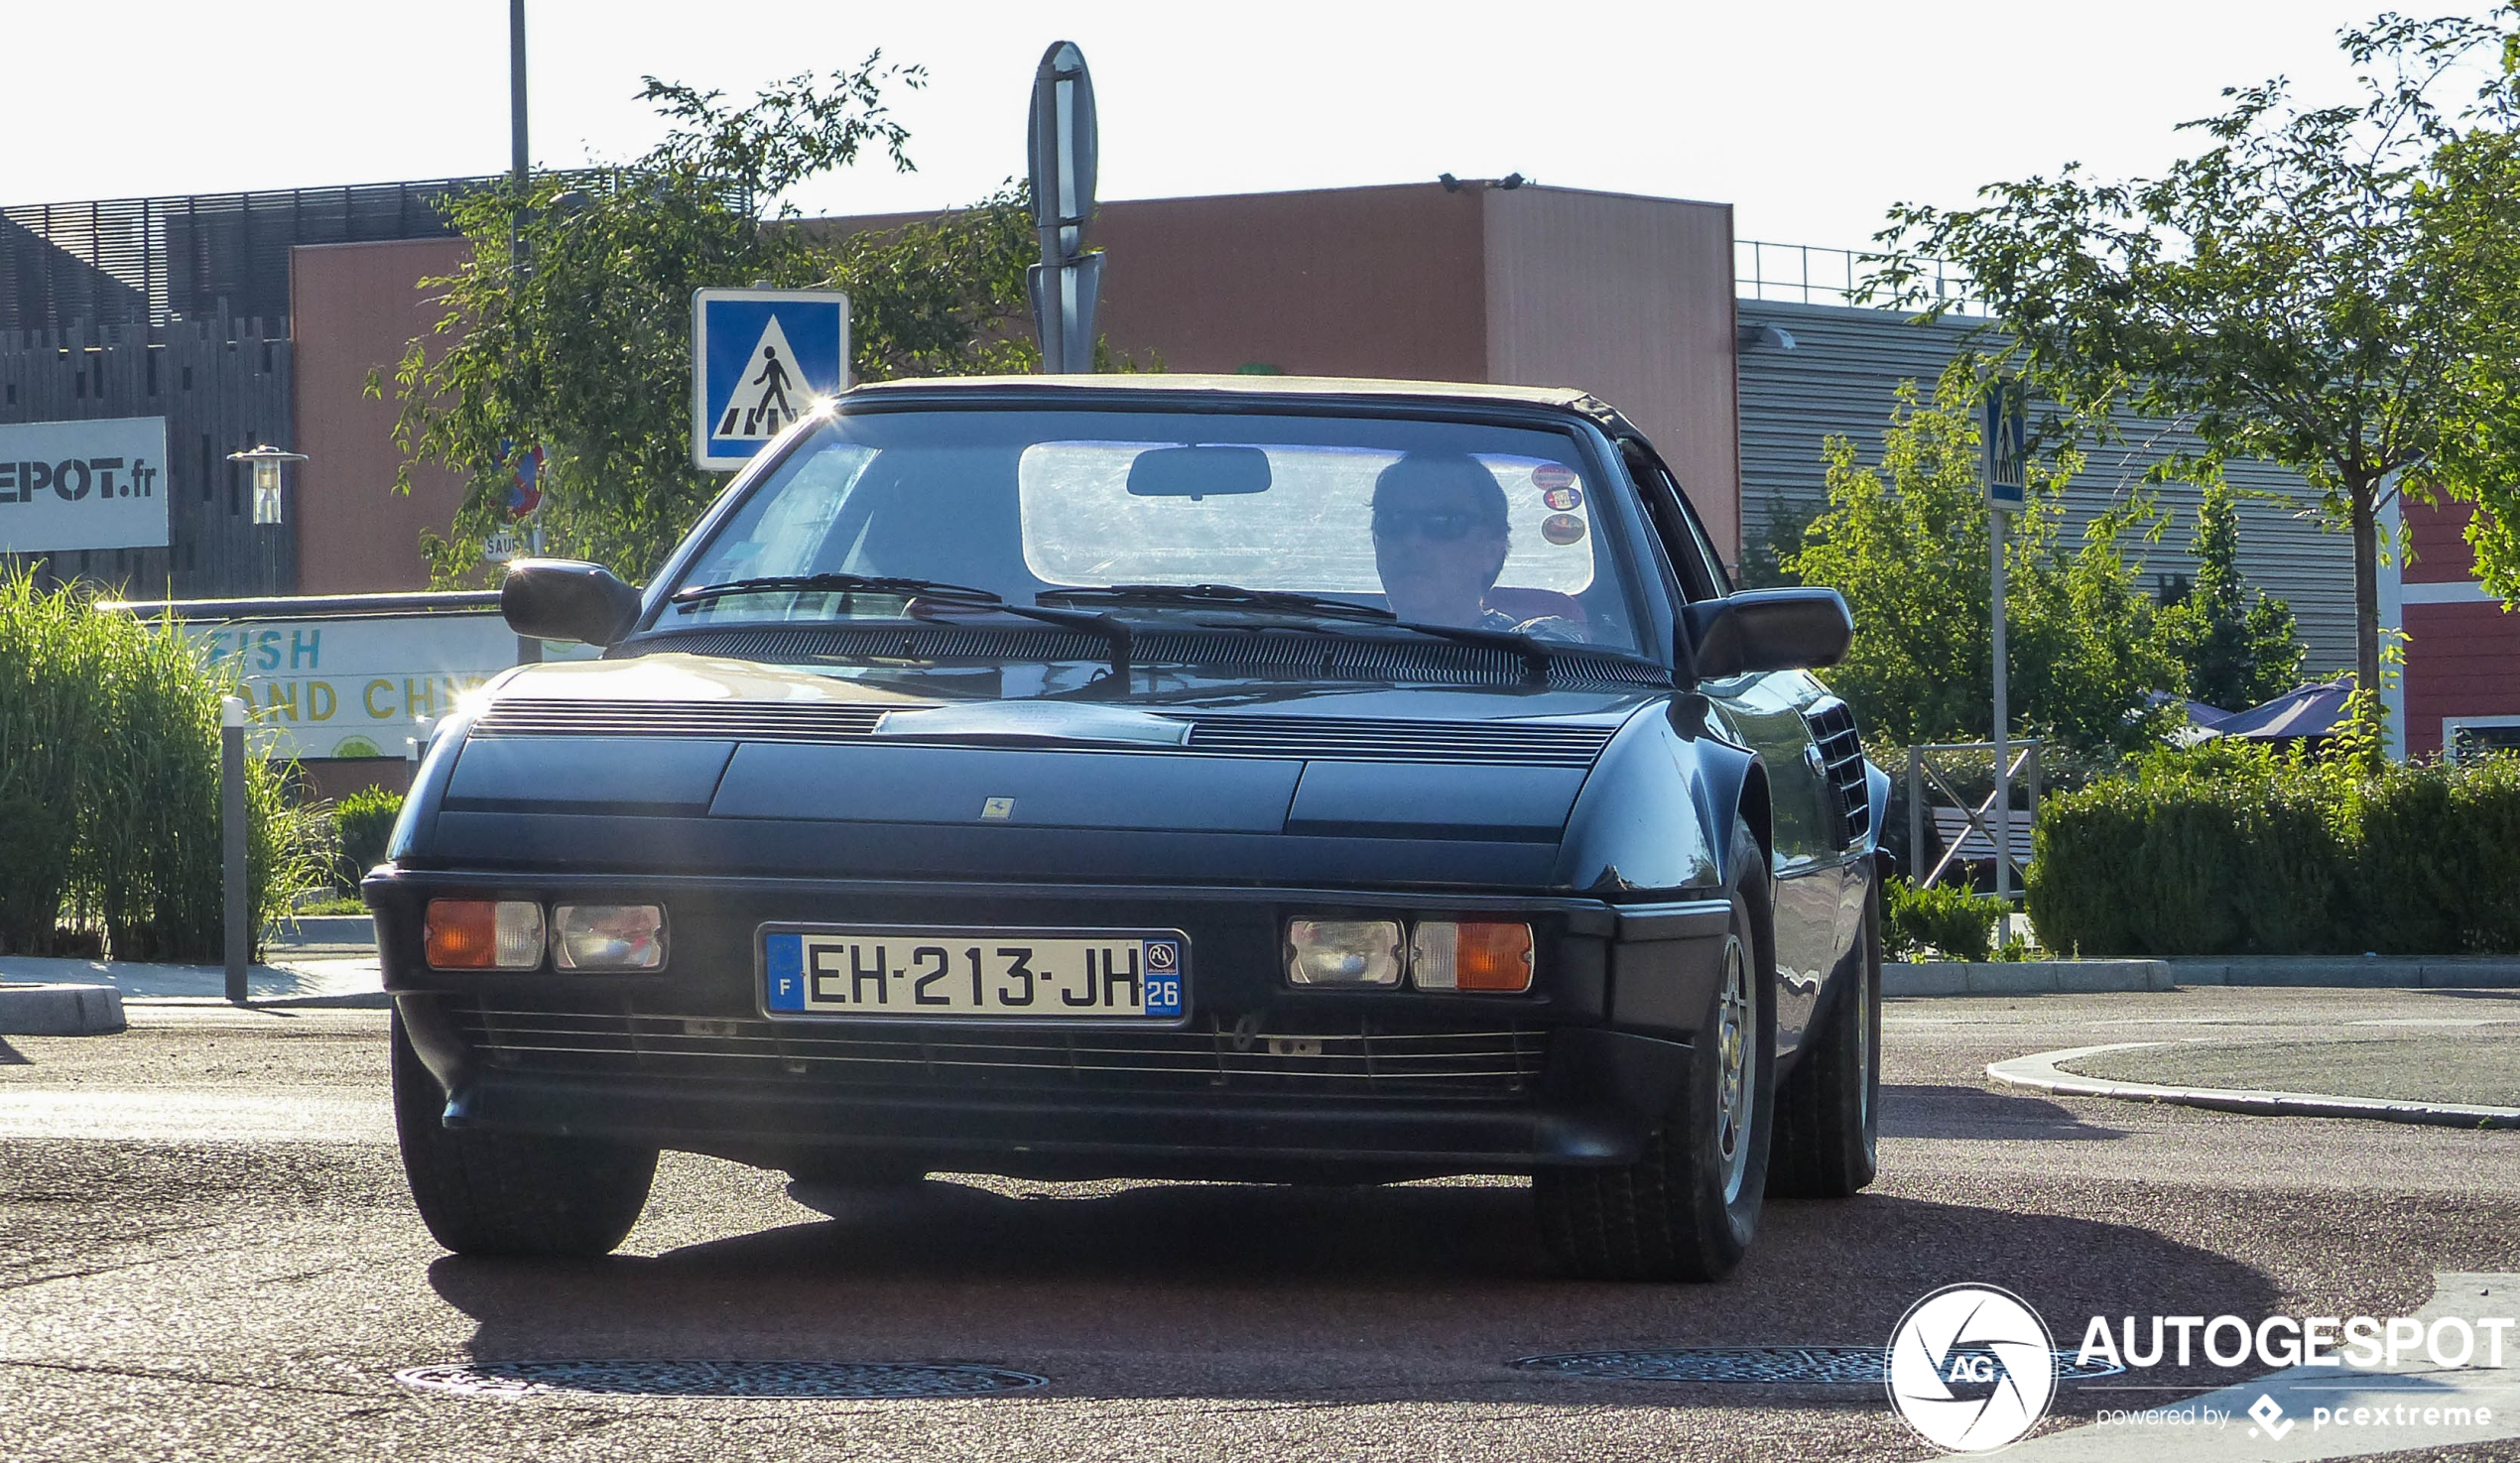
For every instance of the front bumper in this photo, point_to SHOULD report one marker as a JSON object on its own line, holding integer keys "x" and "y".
{"x": 1261, "y": 1079}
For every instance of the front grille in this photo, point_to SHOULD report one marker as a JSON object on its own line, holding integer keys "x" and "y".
{"x": 1841, "y": 755}
{"x": 1364, "y": 1060}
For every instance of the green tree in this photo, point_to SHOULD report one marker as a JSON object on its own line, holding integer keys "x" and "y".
{"x": 585, "y": 350}
{"x": 2284, "y": 294}
{"x": 2236, "y": 643}
{"x": 1905, "y": 540}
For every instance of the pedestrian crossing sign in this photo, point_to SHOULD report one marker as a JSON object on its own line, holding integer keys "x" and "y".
{"x": 759, "y": 360}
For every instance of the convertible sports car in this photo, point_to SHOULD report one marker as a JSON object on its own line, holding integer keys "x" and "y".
{"x": 1246, "y": 777}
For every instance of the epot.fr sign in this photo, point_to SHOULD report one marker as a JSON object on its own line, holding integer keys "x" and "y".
{"x": 69, "y": 485}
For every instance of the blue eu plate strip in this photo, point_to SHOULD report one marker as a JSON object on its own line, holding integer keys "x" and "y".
{"x": 783, "y": 966}
{"x": 1163, "y": 977}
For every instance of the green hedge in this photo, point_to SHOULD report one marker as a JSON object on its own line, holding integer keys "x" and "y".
{"x": 1942, "y": 919}
{"x": 109, "y": 806}
{"x": 2236, "y": 850}
{"x": 363, "y": 822}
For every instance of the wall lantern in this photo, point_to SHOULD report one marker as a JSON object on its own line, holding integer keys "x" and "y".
{"x": 265, "y": 459}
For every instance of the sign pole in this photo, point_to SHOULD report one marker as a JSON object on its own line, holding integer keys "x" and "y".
{"x": 1063, "y": 154}
{"x": 2005, "y": 432}
{"x": 515, "y": 131}
{"x": 1998, "y": 523}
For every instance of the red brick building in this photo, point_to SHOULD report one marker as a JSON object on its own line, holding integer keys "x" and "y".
{"x": 2463, "y": 648}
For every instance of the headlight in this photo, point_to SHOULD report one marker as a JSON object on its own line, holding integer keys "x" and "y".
{"x": 1470, "y": 955}
{"x": 608, "y": 936}
{"x": 483, "y": 934}
{"x": 1343, "y": 952}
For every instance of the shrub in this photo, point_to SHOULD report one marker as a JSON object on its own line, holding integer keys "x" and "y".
{"x": 1942, "y": 917}
{"x": 109, "y": 785}
{"x": 45, "y": 722}
{"x": 363, "y": 822}
{"x": 2229, "y": 849}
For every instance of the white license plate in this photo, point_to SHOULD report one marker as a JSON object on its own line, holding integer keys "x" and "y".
{"x": 944, "y": 972}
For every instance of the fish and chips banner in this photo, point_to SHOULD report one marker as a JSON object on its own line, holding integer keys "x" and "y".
{"x": 352, "y": 684}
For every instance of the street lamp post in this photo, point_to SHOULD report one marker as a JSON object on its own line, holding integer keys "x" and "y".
{"x": 268, "y": 506}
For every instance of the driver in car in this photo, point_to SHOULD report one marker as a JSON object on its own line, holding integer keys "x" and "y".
{"x": 1441, "y": 537}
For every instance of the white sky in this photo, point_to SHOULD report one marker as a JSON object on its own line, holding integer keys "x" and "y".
{"x": 1810, "y": 118}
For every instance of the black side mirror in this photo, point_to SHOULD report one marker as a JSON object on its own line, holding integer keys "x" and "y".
{"x": 568, "y": 600}
{"x": 1769, "y": 630}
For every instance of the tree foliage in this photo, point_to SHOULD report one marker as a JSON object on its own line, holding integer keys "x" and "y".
{"x": 585, "y": 350}
{"x": 2285, "y": 293}
{"x": 1906, "y": 540}
{"x": 2236, "y": 643}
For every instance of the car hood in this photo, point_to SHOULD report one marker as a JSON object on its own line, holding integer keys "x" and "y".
{"x": 739, "y": 765}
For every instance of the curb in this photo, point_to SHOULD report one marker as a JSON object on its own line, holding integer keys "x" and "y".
{"x": 60, "y": 1011}
{"x": 323, "y": 930}
{"x": 2041, "y": 1071}
{"x": 2439, "y": 972}
{"x": 2023, "y": 977}
{"x": 348, "y": 1001}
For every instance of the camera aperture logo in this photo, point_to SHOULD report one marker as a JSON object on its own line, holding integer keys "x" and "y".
{"x": 1972, "y": 1368}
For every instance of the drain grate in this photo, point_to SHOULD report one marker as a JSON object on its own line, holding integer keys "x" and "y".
{"x": 1835, "y": 1366}
{"x": 508, "y": 1380}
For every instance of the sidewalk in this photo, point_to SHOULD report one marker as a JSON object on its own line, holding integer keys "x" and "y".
{"x": 303, "y": 975}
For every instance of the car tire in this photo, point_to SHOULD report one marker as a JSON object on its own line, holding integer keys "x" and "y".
{"x": 1687, "y": 1209}
{"x": 511, "y": 1194}
{"x": 1828, "y": 1111}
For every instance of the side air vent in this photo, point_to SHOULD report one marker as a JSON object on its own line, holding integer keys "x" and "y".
{"x": 1841, "y": 757}
{"x": 1337, "y": 739}
{"x": 748, "y": 721}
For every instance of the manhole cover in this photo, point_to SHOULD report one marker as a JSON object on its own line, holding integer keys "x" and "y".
{"x": 1846, "y": 1365}
{"x": 728, "y": 1379}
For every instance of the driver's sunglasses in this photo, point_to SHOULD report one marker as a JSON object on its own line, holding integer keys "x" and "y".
{"x": 1443, "y": 526}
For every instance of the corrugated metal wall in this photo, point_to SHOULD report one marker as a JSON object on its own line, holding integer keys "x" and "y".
{"x": 1838, "y": 381}
{"x": 222, "y": 385}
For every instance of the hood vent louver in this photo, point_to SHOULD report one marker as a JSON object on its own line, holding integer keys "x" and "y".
{"x": 1310, "y": 738}
{"x": 1841, "y": 755}
{"x": 1362, "y": 739}
{"x": 742, "y": 721}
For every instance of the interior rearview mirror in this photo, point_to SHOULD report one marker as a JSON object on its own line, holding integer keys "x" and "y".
{"x": 1197, "y": 472}
{"x": 1769, "y": 630}
{"x": 568, "y": 600}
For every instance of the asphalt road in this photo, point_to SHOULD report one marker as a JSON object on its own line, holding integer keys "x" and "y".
{"x": 205, "y": 1251}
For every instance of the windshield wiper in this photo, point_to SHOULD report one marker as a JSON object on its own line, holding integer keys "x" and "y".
{"x": 936, "y": 592}
{"x": 1220, "y": 596}
{"x": 686, "y": 600}
{"x": 1533, "y": 653}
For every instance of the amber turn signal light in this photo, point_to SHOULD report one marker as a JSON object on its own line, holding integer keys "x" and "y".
{"x": 484, "y": 934}
{"x": 1487, "y": 956}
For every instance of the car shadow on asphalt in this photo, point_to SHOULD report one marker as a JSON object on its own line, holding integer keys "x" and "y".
{"x": 1423, "y": 1289}
{"x": 1926, "y": 1110}
{"x": 10, "y": 1057}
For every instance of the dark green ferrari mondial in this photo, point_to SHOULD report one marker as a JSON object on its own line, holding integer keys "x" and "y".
{"x": 1230, "y": 778}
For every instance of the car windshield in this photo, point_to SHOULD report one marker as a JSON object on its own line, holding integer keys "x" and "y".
{"x": 1171, "y": 516}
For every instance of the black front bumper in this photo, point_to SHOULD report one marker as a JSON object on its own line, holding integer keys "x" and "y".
{"x": 1263, "y": 1080}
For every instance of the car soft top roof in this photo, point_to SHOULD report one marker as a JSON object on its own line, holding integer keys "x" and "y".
{"x": 1295, "y": 390}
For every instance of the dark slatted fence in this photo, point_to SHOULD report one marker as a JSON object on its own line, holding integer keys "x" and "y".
{"x": 222, "y": 385}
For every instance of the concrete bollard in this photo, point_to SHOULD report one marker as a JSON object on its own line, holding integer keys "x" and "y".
{"x": 231, "y": 790}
